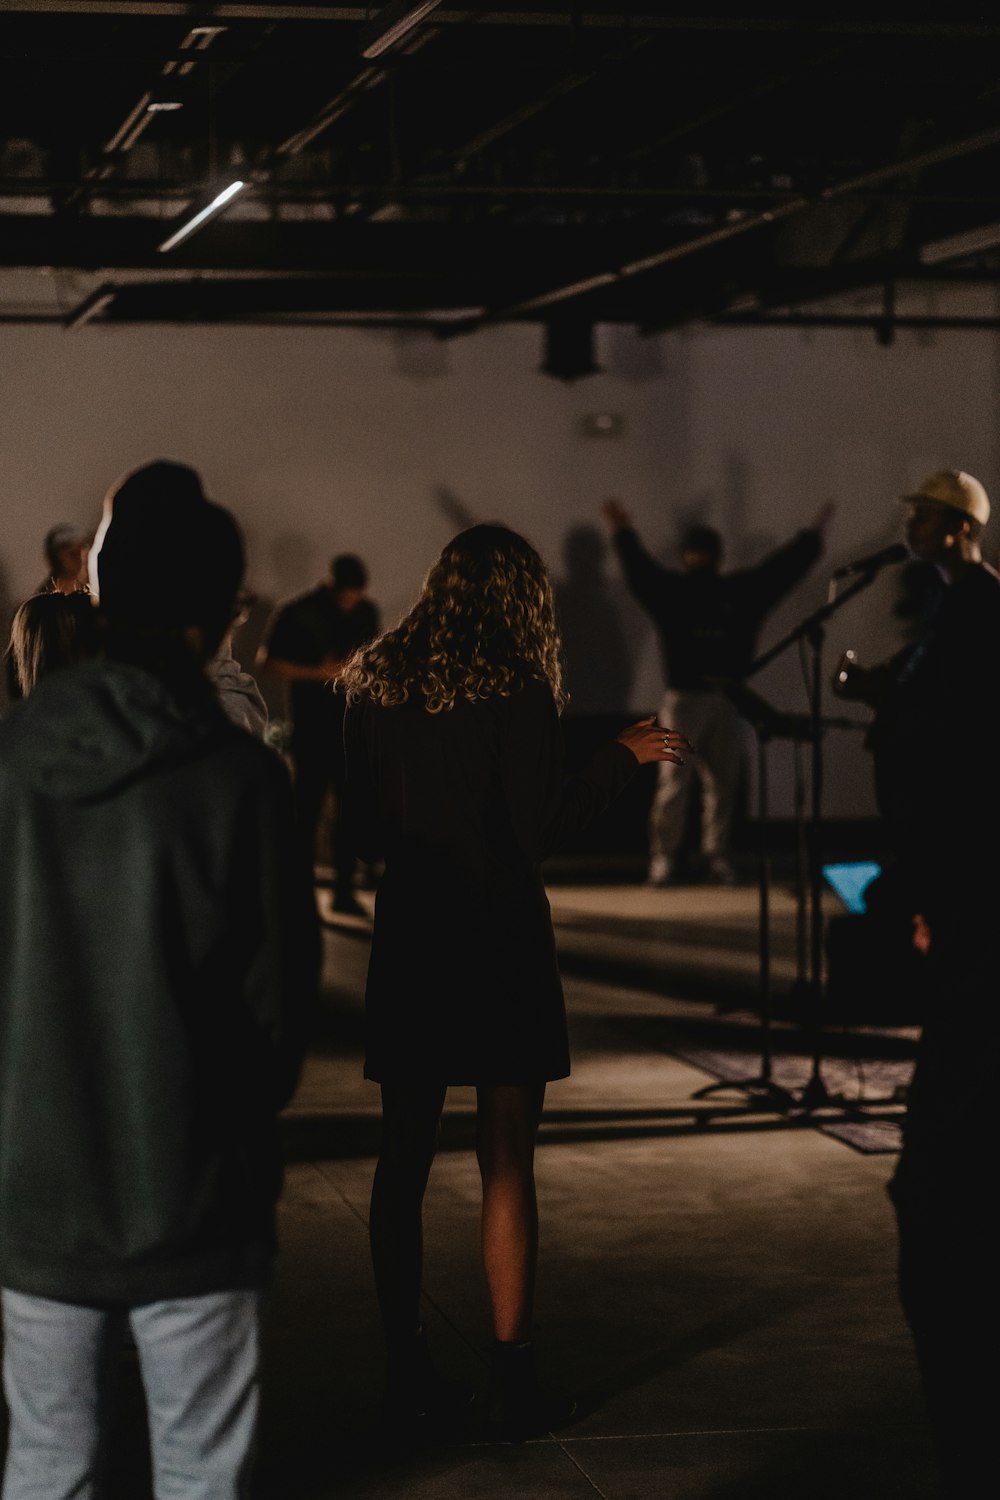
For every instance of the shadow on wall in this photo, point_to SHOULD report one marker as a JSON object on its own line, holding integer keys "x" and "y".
{"x": 737, "y": 510}
{"x": 293, "y": 563}
{"x": 597, "y": 659}
{"x": 454, "y": 508}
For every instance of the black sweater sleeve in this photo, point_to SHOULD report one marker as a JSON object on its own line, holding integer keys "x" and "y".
{"x": 546, "y": 805}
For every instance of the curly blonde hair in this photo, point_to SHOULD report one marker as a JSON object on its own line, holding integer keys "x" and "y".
{"x": 484, "y": 624}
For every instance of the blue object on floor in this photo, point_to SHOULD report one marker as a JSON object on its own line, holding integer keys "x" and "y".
{"x": 850, "y": 879}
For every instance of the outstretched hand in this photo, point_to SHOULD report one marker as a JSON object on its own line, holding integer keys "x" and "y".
{"x": 649, "y": 741}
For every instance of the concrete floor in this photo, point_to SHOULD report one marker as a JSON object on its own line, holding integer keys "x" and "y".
{"x": 718, "y": 1289}
{"x": 716, "y": 1286}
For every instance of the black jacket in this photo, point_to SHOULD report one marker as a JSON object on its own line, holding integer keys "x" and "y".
{"x": 935, "y": 738}
{"x": 158, "y": 960}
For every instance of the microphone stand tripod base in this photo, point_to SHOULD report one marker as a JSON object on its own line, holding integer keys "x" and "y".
{"x": 815, "y": 1095}
{"x": 762, "y": 1088}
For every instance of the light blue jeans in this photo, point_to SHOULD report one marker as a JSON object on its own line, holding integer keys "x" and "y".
{"x": 199, "y": 1359}
{"x": 714, "y": 727}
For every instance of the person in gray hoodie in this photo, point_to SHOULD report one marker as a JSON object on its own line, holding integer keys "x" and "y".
{"x": 158, "y": 969}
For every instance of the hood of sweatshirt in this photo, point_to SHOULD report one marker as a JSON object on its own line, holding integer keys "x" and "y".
{"x": 86, "y": 731}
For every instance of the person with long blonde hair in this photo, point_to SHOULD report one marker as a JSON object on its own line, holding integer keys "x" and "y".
{"x": 456, "y": 779}
{"x": 50, "y": 630}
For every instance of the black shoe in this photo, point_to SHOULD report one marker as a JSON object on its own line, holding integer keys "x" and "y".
{"x": 518, "y": 1407}
{"x": 418, "y": 1399}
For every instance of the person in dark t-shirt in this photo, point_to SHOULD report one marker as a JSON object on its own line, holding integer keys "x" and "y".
{"x": 308, "y": 645}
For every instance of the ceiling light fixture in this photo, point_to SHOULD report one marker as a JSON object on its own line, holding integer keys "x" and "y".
{"x": 203, "y": 215}
{"x": 392, "y": 23}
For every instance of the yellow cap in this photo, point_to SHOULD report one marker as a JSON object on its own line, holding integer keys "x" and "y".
{"x": 955, "y": 489}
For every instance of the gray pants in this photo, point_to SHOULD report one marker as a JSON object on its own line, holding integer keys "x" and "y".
{"x": 715, "y": 729}
{"x": 199, "y": 1362}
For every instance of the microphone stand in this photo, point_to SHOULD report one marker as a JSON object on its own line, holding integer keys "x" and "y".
{"x": 768, "y": 724}
{"x": 765, "y": 721}
{"x": 815, "y": 1094}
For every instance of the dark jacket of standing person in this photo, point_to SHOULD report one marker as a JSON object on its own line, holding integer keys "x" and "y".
{"x": 935, "y": 742}
{"x": 945, "y": 676}
{"x": 937, "y": 696}
{"x": 157, "y": 958}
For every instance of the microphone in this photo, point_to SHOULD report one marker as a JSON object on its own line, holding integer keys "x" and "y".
{"x": 877, "y": 560}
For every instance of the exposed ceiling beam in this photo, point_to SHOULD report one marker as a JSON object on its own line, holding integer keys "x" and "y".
{"x": 875, "y": 321}
{"x": 196, "y": 41}
{"x": 561, "y": 89}
{"x": 91, "y": 306}
{"x": 392, "y": 24}
{"x": 806, "y": 292}
{"x": 958, "y": 246}
{"x": 111, "y": 244}
{"x": 565, "y": 18}
{"x": 601, "y": 278}
{"x": 541, "y": 197}
{"x": 277, "y": 191}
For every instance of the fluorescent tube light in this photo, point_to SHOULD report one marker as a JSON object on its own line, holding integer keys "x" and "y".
{"x": 217, "y": 204}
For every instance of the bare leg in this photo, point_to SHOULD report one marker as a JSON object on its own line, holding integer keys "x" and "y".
{"x": 508, "y": 1117}
{"x": 507, "y": 1127}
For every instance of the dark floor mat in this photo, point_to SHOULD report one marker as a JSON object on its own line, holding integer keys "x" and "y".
{"x": 856, "y": 1084}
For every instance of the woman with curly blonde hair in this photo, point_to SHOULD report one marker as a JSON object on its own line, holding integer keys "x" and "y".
{"x": 456, "y": 780}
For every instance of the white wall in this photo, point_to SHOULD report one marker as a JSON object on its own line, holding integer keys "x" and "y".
{"x": 382, "y": 442}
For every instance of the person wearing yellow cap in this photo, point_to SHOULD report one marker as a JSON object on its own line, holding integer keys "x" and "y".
{"x": 935, "y": 742}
